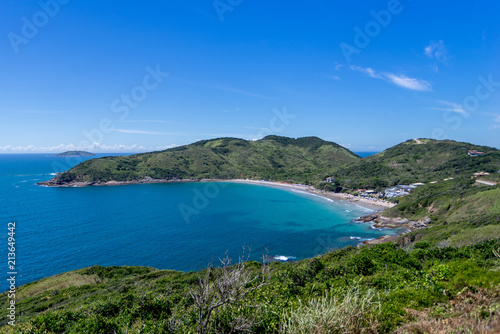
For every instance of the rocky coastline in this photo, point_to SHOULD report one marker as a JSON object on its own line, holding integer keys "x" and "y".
{"x": 61, "y": 183}
{"x": 379, "y": 221}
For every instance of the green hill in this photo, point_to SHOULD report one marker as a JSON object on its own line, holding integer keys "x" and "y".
{"x": 441, "y": 279}
{"x": 411, "y": 162}
{"x": 272, "y": 158}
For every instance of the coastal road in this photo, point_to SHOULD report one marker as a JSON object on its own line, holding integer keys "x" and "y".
{"x": 486, "y": 182}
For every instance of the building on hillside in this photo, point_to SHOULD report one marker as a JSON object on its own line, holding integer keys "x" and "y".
{"x": 330, "y": 179}
{"x": 479, "y": 174}
{"x": 475, "y": 153}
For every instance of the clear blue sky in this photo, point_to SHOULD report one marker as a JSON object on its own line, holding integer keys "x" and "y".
{"x": 129, "y": 76}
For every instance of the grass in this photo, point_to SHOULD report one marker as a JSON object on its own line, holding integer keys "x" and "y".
{"x": 484, "y": 203}
{"x": 58, "y": 282}
{"x": 470, "y": 312}
{"x": 373, "y": 289}
{"x": 470, "y": 236}
{"x": 353, "y": 311}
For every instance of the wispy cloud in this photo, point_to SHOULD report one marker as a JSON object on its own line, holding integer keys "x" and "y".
{"x": 95, "y": 147}
{"x": 451, "y": 106}
{"x": 242, "y": 92}
{"x": 497, "y": 121}
{"x": 436, "y": 50}
{"x": 334, "y": 77}
{"x": 409, "y": 83}
{"x": 229, "y": 89}
{"x": 142, "y": 132}
{"x": 44, "y": 112}
{"x": 145, "y": 121}
{"x": 257, "y": 128}
{"x": 231, "y": 110}
{"x": 366, "y": 70}
{"x": 399, "y": 80}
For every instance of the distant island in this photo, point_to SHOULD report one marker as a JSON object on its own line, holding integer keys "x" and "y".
{"x": 75, "y": 154}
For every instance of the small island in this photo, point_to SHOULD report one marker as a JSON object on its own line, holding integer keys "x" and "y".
{"x": 75, "y": 154}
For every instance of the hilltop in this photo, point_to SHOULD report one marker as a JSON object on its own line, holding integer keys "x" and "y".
{"x": 422, "y": 160}
{"x": 272, "y": 158}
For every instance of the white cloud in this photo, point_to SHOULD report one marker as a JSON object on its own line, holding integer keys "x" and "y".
{"x": 436, "y": 50}
{"x": 334, "y": 77}
{"x": 146, "y": 121}
{"x": 496, "y": 120}
{"x": 94, "y": 147}
{"x": 451, "y": 106}
{"x": 165, "y": 147}
{"x": 400, "y": 80}
{"x": 368, "y": 71}
{"x": 409, "y": 83}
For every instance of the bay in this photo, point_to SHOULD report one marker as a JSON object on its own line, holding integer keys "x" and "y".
{"x": 179, "y": 226}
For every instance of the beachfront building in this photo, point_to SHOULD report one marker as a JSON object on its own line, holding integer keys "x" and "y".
{"x": 398, "y": 191}
{"x": 368, "y": 193}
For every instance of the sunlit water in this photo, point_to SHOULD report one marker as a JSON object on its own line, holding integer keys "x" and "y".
{"x": 177, "y": 226}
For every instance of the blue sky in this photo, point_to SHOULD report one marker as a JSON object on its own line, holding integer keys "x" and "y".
{"x": 131, "y": 76}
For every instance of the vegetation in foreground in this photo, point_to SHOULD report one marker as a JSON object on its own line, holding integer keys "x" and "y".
{"x": 386, "y": 288}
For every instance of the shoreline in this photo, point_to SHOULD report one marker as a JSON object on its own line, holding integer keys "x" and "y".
{"x": 309, "y": 189}
{"x": 375, "y": 219}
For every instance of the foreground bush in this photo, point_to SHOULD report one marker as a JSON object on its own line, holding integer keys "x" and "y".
{"x": 354, "y": 311}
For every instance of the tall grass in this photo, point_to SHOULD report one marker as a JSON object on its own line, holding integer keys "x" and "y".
{"x": 58, "y": 282}
{"x": 467, "y": 237}
{"x": 354, "y": 311}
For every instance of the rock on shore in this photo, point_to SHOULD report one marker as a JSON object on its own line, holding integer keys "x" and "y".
{"x": 379, "y": 221}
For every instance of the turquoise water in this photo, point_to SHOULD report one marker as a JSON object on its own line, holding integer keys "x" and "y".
{"x": 168, "y": 226}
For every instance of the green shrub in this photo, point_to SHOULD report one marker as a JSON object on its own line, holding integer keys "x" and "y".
{"x": 354, "y": 311}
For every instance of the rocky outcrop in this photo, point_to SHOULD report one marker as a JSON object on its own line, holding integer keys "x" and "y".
{"x": 379, "y": 221}
{"x": 62, "y": 183}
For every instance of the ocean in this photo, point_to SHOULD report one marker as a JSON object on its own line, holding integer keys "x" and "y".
{"x": 179, "y": 226}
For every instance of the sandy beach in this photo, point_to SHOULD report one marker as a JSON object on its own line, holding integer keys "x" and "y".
{"x": 377, "y": 204}
{"x": 377, "y": 220}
